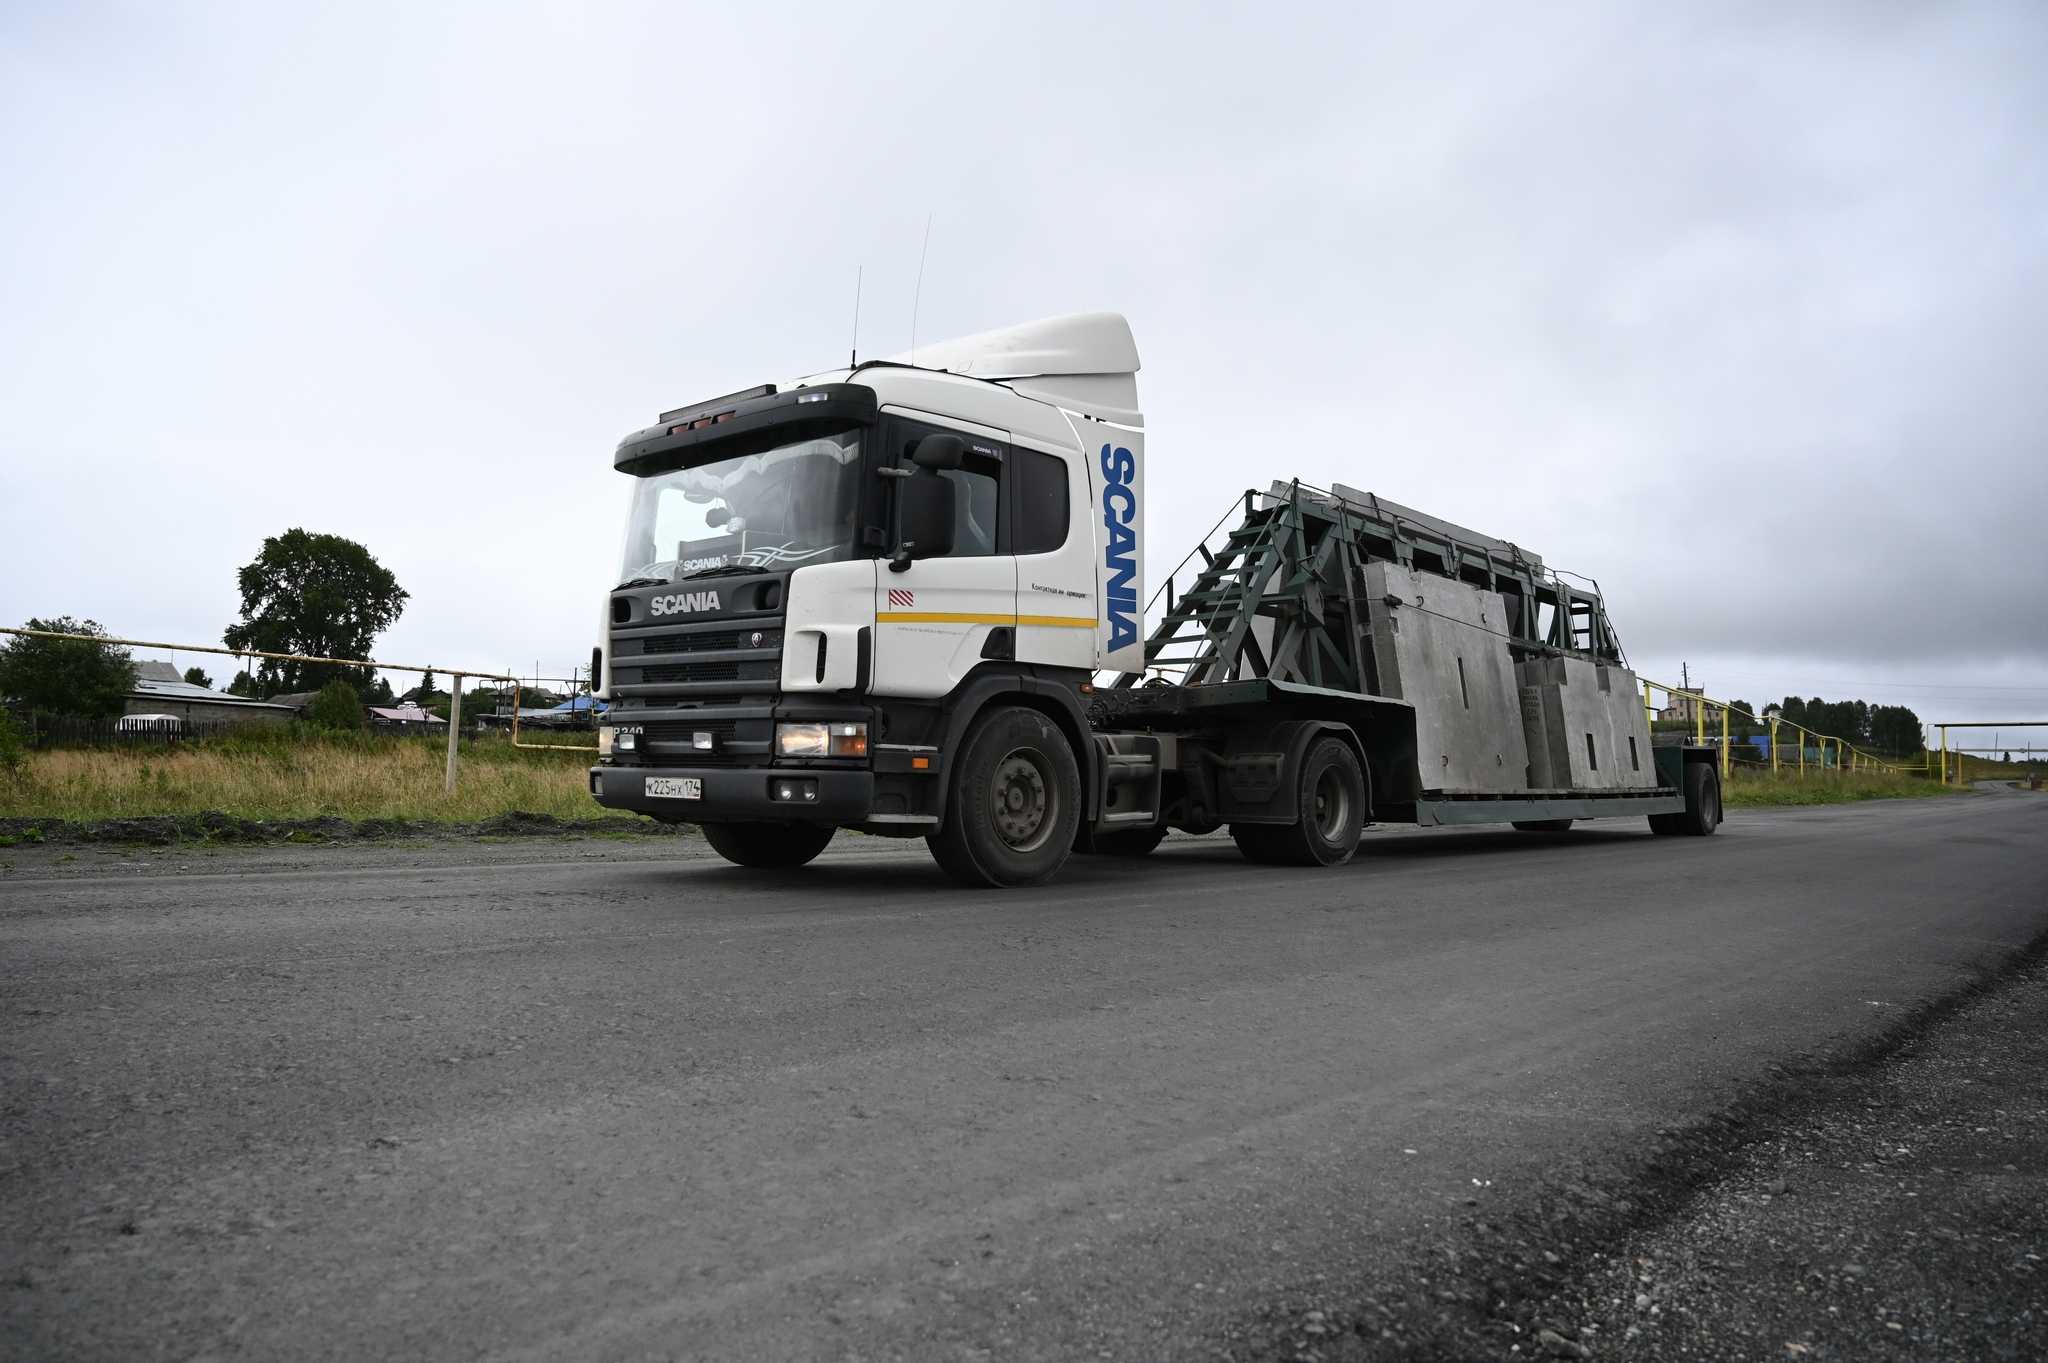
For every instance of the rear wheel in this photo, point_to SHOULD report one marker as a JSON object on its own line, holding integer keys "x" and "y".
{"x": 1014, "y": 803}
{"x": 1542, "y": 825}
{"x": 1330, "y": 796}
{"x": 768, "y": 846}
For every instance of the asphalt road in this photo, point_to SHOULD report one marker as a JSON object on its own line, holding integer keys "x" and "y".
{"x": 608, "y": 1100}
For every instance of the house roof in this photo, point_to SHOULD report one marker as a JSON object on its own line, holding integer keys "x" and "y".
{"x": 152, "y": 688}
{"x": 405, "y": 714}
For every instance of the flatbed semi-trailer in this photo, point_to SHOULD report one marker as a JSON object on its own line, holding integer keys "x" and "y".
{"x": 907, "y": 598}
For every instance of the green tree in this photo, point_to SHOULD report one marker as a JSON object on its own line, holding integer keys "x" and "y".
{"x": 242, "y": 685}
{"x": 378, "y": 692}
{"x": 66, "y": 676}
{"x": 313, "y": 594}
{"x": 337, "y": 707}
{"x": 196, "y": 676}
{"x": 13, "y": 748}
{"x": 426, "y": 686}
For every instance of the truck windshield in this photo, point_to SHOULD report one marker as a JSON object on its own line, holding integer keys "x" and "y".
{"x": 789, "y": 505}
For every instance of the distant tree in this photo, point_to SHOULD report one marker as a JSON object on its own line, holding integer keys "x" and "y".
{"x": 2006, "y": 758}
{"x": 242, "y": 685}
{"x": 196, "y": 676}
{"x": 426, "y": 686}
{"x": 66, "y": 676}
{"x": 1896, "y": 729}
{"x": 313, "y": 594}
{"x": 336, "y": 707}
{"x": 378, "y": 692}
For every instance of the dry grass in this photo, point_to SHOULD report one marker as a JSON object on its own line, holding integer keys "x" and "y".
{"x": 1826, "y": 788}
{"x": 353, "y": 778}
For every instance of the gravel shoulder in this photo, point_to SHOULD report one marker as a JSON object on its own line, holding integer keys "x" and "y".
{"x": 1890, "y": 1202}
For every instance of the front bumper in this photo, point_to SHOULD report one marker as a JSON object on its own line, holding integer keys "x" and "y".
{"x": 739, "y": 794}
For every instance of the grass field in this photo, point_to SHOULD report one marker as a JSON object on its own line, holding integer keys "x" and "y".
{"x": 283, "y": 777}
{"x": 1755, "y": 788}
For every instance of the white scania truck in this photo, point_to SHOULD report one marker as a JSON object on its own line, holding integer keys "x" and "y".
{"x": 906, "y": 597}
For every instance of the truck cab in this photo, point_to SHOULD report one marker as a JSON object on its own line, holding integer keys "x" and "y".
{"x": 837, "y": 594}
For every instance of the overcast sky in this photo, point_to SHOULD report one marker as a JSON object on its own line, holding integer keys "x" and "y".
{"x": 1741, "y": 311}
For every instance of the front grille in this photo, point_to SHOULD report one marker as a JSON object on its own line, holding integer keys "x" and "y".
{"x": 675, "y": 736}
{"x": 706, "y": 641}
{"x": 693, "y": 672}
{"x": 721, "y": 731}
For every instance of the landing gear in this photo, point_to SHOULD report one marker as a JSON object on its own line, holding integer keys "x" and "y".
{"x": 1014, "y": 803}
{"x": 768, "y": 846}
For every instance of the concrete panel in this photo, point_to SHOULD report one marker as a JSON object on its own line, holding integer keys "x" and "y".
{"x": 1443, "y": 647}
{"x": 1587, "y": 720}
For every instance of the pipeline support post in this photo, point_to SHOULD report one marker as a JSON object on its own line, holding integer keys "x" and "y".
{"x": 1774, "y": 747}
{"x": 1725, "y": 760}
{"x": 454, "y": 728}
{"x": 1944, "y": 754}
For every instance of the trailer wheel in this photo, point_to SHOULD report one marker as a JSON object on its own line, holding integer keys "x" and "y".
{"x": 1127, "y": 842}
{"x": 768, "y": 846}
{"x": 1702, "y": 813}
{"x": 1542, "y": 825}
{"x": 1014, "y": 804}
{"x": 1331, "y": 798}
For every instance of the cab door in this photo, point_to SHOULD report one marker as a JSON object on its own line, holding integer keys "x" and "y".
{"x": 938, "y": 618}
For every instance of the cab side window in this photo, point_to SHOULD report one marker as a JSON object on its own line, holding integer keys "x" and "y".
{"x": 1038, "y": 502}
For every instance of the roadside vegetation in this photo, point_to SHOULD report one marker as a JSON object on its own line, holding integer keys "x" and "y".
{"x": 283, "y": 774}
{"x": 1750, "y": 788}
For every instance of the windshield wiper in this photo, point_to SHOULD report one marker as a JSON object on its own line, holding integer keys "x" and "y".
{"x": 643, "y": 582}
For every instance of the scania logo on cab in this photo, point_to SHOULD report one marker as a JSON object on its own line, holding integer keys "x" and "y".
{"x": 683, "y": 603}
{"x": 1120, "y": 548}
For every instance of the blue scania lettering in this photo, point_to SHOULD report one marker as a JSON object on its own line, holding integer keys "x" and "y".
{"x": 1120, "y": 548}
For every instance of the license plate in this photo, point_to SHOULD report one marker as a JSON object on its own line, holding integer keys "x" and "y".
{"x": 674, "y": 788}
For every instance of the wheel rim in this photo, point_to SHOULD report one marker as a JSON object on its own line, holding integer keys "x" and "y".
{"x": 1332, "y": 804}
{"x": 1712, "y": 804}
{"x": 1022, "y": 802}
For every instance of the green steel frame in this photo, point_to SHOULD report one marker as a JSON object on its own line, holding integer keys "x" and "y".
{"x": 1283, "y": 597}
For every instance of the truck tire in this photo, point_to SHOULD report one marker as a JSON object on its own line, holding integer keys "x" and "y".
{"x": 768, "y": 846}
{"x": 1702, "y": 813}
{"x": 1127, "y": 842}
{"x": 1331, "y": 798}
{"x": 1542, "y": 825}
{"x": 1014, "y": 803}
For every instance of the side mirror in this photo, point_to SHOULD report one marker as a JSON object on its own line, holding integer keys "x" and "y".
{"x": 924, "y": 518}
{"x": 717, "y": 516}
{"x": 939, "y": 452}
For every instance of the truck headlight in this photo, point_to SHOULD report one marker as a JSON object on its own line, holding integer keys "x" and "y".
{"x": 821, "y": 740}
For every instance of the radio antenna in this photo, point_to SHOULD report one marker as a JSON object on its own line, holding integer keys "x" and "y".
{"x": 918, "y": 296}
{"x": 853, "y": 356}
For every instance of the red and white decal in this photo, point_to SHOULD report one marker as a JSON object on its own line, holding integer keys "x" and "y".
{"x": 901, "y": 600}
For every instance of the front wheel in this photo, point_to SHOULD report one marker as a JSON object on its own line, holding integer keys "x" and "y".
{"x": 768, "y": 846}
{"x": 1014, "y": 804}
